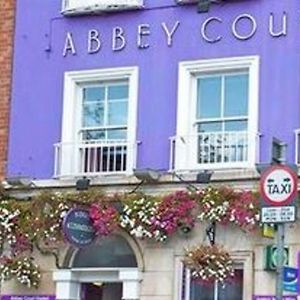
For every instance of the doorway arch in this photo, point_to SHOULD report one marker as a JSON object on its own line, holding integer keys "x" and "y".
{"x": 113, "y": 260}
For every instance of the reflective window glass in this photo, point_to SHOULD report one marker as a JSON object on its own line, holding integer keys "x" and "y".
{"x": 117, "y": 113}
{"x": 233, "y": 289}
{"x": 108, "y": 252}
{"x": 236, "y": 95}
{"x": 209, "y": 97}
{"x": 93, "y": 114}
{"x": 93, "y": 94}
{"x": 236, "y": 126}
{"x": 116, "y": 92}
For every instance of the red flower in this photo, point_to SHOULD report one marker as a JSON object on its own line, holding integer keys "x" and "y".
{"x": 104, "y": 218}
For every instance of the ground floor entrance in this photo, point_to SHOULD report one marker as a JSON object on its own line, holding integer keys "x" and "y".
{"x": 105, "y": 270}
{"x": 101, "y": 291}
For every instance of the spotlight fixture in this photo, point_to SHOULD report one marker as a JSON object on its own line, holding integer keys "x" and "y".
{"x": 204, "y": 176}
{"x": 19, "y": 181}
{"x": 82, "y": 184}
{"x": 203, "y": 6}
{"x": 147, "y": 175}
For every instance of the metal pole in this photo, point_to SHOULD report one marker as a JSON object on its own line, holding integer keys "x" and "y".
{"x": 280, "y": 261}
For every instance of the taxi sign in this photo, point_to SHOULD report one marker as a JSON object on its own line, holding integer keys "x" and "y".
{"x": 278, "y": 186}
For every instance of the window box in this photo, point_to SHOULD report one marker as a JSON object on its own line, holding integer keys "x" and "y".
{"x": 77, "y": 7}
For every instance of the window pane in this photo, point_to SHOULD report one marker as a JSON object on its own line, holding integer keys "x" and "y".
{"x": 117, "y": 134}
{"x": 236, "y": 95}
{"x": 233, "y": 290}
{"x": 209, "y": 97}
{"x": 199, "y": 291}
{"x": 93, "y": 114}
{"x": 109, "y": 252}
{"x": 210, "y": 127}
{"x": 117, "y": 92}
{"x": 117, "y": 113}
{"x": 236, "y": 126}
{"x": 93, "y": 135}
{"x": 93, "y": 94}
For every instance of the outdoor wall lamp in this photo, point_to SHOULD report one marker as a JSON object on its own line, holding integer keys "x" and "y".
{"x": 147, "y": 175}
{"x": 19, "y": 181}
{"x": 204, "y": 176}
{"x": 82, "y": 184}
{"x": 203, "y": 6}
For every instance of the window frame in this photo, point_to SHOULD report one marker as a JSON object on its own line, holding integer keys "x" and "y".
{"x": 72, "y": 107}
{"x": 188, "y": 73}
{"x": 243, "y": 259}
{"x": 98, "y": 6}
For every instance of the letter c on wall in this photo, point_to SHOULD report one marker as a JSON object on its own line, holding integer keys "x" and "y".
{"x": 204, "y": 27}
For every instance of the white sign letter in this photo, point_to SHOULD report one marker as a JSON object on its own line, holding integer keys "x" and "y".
{"x": 283, "y": 26}
{"x": 204, "y": 33}
{"x": 94, "y": 43}
{"x": 118, "y": 39}
{"x": 170, "y": 33}
{"x": 69, "y": 45}
{"x": 237, "y": 20}
{"x": 143, "y": 30}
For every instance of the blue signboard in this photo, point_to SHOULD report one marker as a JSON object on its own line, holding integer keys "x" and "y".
{"x": 271, "y": 297}
{"x": 290, "y": 279}
{"x": 78, "y": 227}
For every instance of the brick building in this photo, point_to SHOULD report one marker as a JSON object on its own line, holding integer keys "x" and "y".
{"x": 7, "y": 22}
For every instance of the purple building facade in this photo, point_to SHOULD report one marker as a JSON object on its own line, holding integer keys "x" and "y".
{"x": 154, "y": 40}
{"x": 105, "y": 89}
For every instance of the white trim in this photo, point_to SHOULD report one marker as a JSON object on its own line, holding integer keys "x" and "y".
{"x": 71, "y": 107}
{"x": 186, "y": 104}
{"x": 68, "y": 281}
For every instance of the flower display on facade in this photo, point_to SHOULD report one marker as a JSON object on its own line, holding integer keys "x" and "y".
{"x": 137, "y": 217}
{"x": 25, "y": 225}
{"x": 174, "y": 211}
{"x": 7, "y": 224}
{"x": 245, "y": 210}
{"x": 23, "y": 269}
{"x": 214, "y": 203}
{"x": 209, "y": 263}
{"x": 104, "y": 217}
{"x": 225, "y": 205}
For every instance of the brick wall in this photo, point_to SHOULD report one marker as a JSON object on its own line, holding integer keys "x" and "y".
{"x": 7, "y": 21}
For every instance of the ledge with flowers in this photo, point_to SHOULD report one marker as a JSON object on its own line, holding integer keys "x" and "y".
{"x": 26, "y": 225}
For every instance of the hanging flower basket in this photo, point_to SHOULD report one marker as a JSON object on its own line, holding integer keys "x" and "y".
{"x": 209, "y": 264}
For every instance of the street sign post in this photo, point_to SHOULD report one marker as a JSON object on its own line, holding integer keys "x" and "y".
{"x": 278, "y": 189}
